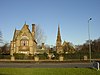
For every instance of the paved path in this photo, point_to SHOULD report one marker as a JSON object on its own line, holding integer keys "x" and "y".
{"x": 45, "y": 65}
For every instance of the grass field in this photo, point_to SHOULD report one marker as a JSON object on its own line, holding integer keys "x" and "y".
{"x": 48, "y": 71}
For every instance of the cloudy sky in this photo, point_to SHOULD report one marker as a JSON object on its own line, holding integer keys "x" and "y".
{"x": 71, "y": 15}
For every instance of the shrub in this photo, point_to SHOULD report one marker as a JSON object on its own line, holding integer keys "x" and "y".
{"x": 56, "y": 55}
{"x": 80, "y": 55}
{"x": 95, "y": 55}
{"x": 5, "y": 56}
{"x": 76, "y": 55}
{"x": 19, "y": 56}
{"x": 43, "y": 56}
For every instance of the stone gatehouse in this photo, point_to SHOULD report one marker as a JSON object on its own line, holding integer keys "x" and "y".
{"x": 24, "y": 41}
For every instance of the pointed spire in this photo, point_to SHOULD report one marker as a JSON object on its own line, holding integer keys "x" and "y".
{"x": 58, "y": 30}
{"x": 58, "y": 35}
{"x": 25, "y": 22}
{"x": 59, "y": 41}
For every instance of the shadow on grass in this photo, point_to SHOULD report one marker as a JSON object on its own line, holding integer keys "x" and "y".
{"x": 94, "y": 69}
{"x": 4, "y": 74}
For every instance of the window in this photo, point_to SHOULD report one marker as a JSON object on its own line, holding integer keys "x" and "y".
{"x": 24, "y": 42}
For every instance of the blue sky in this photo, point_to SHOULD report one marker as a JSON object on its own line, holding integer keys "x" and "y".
{"x": 71, "y": 15}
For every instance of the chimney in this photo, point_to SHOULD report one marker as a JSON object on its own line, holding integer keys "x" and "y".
{"x": 43, "y": 47}
{"x": 33, "y": 27}
{"x": 33, "y": 30}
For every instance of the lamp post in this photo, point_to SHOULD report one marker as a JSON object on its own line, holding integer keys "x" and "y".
{"x": 89, "y": 38}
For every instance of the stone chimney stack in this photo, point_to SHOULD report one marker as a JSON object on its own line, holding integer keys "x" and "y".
{"x": 43, "y": 47}
{"x": 33, "y": 30}
{"x": 33, "y": 27}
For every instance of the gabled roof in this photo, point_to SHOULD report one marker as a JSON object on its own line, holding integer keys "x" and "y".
{"x": 18, "y": 32}
{"x": 27, "y": 27}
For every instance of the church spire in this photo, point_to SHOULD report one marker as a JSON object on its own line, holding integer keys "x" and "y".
{"x": 58, "y": 35}
{"x": 58, "y": 41}
{"x": 25, "y": 22}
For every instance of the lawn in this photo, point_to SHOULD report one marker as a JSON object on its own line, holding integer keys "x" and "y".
{"x": 48, "y": 71}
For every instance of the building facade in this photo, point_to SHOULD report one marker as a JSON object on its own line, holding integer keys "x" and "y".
{"x": 24, "y": 41}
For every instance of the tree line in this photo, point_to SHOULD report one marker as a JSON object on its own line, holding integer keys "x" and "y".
{"x": 95, "y": 46}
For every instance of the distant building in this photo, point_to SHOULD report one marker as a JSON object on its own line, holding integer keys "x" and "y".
{"x": 59, "y": 42}
{"x": 68, "y": 47}
{"x": 24, "y": 41}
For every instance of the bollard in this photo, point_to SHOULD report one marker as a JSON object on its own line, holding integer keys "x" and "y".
{"x": 12, "y": 58}
{"x": 97, "y": 66}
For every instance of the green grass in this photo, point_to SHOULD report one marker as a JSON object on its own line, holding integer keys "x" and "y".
{"x": 48, "y": 71}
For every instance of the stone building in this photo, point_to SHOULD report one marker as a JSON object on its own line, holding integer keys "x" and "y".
{"x": 59, "y": 42}
{"x": 24, "y": 41}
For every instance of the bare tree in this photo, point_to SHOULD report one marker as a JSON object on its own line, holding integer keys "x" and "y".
{"x": 5, "y": 48}
{"x": 39, "y": 35}
{"x": 1, "y": 40}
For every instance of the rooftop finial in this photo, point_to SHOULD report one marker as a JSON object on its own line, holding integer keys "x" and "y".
{"x": 25, "y": 22}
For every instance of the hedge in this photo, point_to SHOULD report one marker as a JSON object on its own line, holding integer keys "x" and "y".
{"x": 5, "y": 56}
{"x": 22, "y": 56}
{"x": 79, "y": 55}
{"x": 43, "y": 56}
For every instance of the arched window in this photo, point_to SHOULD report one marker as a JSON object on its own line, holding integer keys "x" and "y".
{"x": 24, "y": 41}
